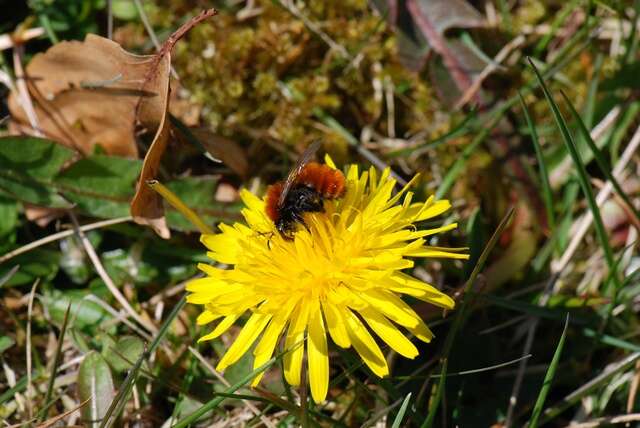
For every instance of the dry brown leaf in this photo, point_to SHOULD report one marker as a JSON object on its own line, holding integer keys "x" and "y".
{"x": 146, "y": 206}
{"x": 228, "y": 151}
{"x": 85, "y": 94}
{"x": 42, "y": 216}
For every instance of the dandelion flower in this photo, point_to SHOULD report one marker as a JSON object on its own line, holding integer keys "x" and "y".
{"x": 341, "y": 275}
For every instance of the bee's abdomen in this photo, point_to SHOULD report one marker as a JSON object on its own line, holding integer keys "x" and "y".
{"x": 328, "y": 182}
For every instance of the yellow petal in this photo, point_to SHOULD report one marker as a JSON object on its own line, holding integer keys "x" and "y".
{"x": 433, "y": 209}
{"x": 392, "y": 307}
{"x": 433, "y": 252}
{"x": 206, "y": 317}
{"x": 421, "y": 331}
{"x": 267, "y": 344}
{"x": 365, "y": 345}
{"x": 329, "y": 161}
{"x": 403, "y": 283}
{"x": 221, "y": 327}
{"x": 253, "y": 327}
{"x": 389, "y": 333}
{"x": 318, "y": 356}
{"x": 293, "y": 345}
{"x": 336, "y": 325}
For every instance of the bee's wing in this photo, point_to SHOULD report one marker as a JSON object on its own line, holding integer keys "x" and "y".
{"x": 306, "y": 156}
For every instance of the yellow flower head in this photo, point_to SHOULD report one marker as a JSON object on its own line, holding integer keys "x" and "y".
{"x": 342, "y": 275}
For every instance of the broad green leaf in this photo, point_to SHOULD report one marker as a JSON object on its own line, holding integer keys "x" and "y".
{"x": 34, "y": 157}
{"x": 8, "y": 215}
{"x": 38, "y": 263}
{"x": 27, "y": 168}
{"x": 124, "y": 10}
{"x": 122, "y": 355}
{"x": 73, "y": 260}
{"x": 100, "y": 185}
{"x": 198, "y": 193}
{"x": 41, "y": 172}
{"x": 85, "y": 314}
{"x": 5, "y": 343}
{"x": 95, "y": 383}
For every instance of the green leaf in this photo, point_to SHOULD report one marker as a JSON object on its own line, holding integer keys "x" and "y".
{"x": 8, "y": 215}
{"x": 215, "y": 402}
{"x": 95, "y": 383}
{"x": 121, "y": 399}
{"x": 39, "y": 263}
{"x": 5, "y": 343}
{"x": 100, "y": 185}
{"x": 124, "y": 9}
{"x": 85, "y": 314}
{"x": 198, "y": 193}
{"x": 548, "y": 378}
{"x": 124, "y": 353}
{"x": 27, "y": 168}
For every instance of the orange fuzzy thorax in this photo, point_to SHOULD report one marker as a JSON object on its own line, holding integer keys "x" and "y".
{"x": 273, "y": 195}
{"x": 327, "y": 181}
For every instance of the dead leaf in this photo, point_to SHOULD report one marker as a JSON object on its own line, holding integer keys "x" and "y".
{"x": 85, "y": 94}
{"x": 42, "y": 216}
{"x": 415, "y": 37}
{"x": 147, "y": 206}
{"x": 228, "y": 151}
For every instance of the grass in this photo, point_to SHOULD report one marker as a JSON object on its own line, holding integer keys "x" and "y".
{"x": 522, "y": 165}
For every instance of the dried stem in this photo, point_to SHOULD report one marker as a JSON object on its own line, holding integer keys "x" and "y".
{"x": 97, "y": 264}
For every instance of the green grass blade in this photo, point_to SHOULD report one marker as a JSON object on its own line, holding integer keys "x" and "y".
{"x": 457, "y": 130}
{"x": 165, "y": 326}
{"x": 7, "y": 276}
{"x": 20, "y": 386}
{"x": 403, "y": 409}
{"x": 610, "y": 340}
{"x": 120, "y": 399}
{"x": 548, "y": 378}
{"x": 433, "y": 409}
{"x": 602, "y": 163}
{"x": 458, "y": 166}
{"x": 193, "y": 417}
{"x": 547, "y": 194}
{"x": 54, "y": 369}
{"x": 583, "y": 178}
{"x": 461, "y": 313}
{"x": 590, "y": 386}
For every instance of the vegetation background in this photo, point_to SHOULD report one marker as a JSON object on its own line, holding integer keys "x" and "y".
{"x": 542, "y": 170}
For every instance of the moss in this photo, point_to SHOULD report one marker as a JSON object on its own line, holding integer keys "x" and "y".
{"x": 268, "y": 73}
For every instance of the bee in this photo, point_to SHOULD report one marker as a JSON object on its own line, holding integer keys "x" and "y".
{"x": 305, "y": 189}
